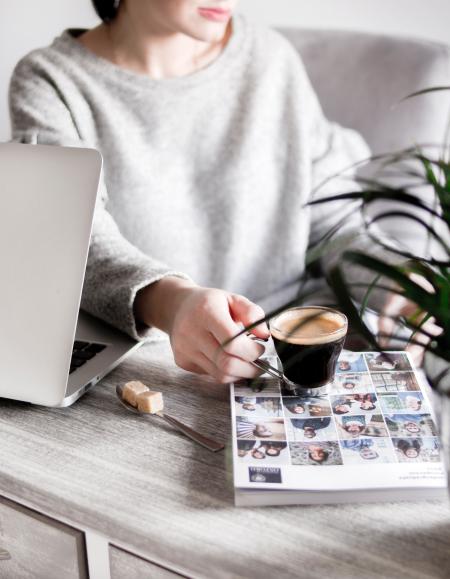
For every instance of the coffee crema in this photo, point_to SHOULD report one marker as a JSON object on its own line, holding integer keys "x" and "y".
{"x": 309, "y": 326}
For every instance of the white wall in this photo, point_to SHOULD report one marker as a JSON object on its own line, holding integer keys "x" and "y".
{"x": 26, "y": 24}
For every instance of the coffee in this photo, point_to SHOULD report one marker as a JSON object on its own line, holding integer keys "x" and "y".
{"x": 308, "y": 342}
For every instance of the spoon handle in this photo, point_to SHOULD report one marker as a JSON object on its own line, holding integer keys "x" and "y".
{"x": 192, "y": 434}
{"x": 263, "y": 365}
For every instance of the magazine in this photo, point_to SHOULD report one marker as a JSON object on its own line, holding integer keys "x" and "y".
{"x": 371, "y": 437}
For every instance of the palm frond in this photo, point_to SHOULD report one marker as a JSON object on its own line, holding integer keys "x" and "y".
{"x": 424, "y": 91}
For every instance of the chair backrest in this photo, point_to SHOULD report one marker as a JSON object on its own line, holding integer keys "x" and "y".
{"x": 360, "y": 80}
{"x": 361, "y": 77}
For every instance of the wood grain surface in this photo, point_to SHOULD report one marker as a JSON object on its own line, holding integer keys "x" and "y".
{"x": 157, "y": 494}
{"x": 126, "y": 565}
{"x": 40, "y": 547}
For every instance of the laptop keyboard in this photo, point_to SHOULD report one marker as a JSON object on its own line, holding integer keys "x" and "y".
{"x": 82, "y": 352}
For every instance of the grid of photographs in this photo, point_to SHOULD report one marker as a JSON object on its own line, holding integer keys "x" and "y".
{"x": 374, "y": 412}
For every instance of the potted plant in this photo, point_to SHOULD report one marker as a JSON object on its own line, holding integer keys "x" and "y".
{"x": 412, "y": 168}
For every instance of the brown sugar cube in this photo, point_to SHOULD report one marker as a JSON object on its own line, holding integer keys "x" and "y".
{"x": 131, "y": 390}
{"x": 151, "y": 402}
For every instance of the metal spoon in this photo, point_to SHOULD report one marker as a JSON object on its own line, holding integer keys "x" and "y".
{"x": 192, "y": 434}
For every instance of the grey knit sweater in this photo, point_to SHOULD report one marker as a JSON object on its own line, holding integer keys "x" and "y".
{"x": 205, "y": 176}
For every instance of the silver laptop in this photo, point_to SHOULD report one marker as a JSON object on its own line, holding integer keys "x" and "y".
{"x": 50, "y": 351}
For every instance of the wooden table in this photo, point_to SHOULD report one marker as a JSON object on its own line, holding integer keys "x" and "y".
{"x": 152, "y": 491}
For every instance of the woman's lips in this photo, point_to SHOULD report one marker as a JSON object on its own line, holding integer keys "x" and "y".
{"x": 215, "y": 14}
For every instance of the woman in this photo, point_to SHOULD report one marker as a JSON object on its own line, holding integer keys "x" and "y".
{"x": 343, "y": 404}
{"x": 310, "y": 425}
{"x": 412, "y": 428}
{"x": 383, "y": 362}
{"x": 363, "y": 447}
{"x": 366, "y": 401}
{"x": 411, "y": 449}
{"x": 259, "y": 453}
{"x": 244, "y": 447}
{"x": 273, "y": 449}
{"x": 318, "y": 455}
{"x": 212, "y": 140}
{"x": 349, "y": 385}
{"x": 352, "y": 426}
{"x": 413, "y": 403}
{"x": 248, "y": 402}
{"x": 295, "y": 407}
{"x": 344, "y": 366}
{"x": 311, "y": 406}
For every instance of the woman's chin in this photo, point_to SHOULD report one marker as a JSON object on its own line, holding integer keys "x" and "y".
{"x": 209, "y": 32}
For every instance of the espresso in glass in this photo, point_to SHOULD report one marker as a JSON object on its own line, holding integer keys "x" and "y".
{"x": 308, "y": 341}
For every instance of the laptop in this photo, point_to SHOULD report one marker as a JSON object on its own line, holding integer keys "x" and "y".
{"x": 50, "y": 351}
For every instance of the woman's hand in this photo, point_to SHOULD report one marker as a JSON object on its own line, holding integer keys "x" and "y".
{"x": 396, "y": 306}
{"x": 199, "y": 320}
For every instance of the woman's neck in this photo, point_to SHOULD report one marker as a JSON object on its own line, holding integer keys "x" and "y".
{"x": 157, "y": 54}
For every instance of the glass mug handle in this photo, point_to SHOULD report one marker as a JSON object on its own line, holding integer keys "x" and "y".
{"x": 262, "y": 364}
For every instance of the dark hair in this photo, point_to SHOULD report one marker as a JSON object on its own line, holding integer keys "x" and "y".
{"x": 106, "y": 9}
{"x": 325, "y": 454}
{"x": 360, "y": 426}
{"x": 336, "y": 411}
{"x": 405, "y": 445}
{"x": 272, "y": 448}
{"x": 348, "y": 382}
{"x": 258, "y": 451}
{"x": 291, "y": 405}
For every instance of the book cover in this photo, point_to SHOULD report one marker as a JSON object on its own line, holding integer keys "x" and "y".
{"x": 371, "y": 437}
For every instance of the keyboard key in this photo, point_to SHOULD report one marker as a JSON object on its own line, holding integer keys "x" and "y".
{"x": 77, "y": 362}
{"x": 78, "y": 345}
{"x": 82, "y": 355}
{"x": 82, "y": 352}
{"x": 96, "y": 348}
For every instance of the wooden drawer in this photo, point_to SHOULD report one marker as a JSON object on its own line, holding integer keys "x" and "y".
{"x": 40, "y": 547}
{"x": 125, "y": 565}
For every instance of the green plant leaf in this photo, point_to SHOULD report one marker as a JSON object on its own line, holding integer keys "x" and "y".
{"x": 337, "y": 283}
{"x": 424, "y": 91}
{"x": 412, "y": 290}
{"x": 365, "y": 301}
{"x": 411, "y": 217}
{"x": 388, "y": 194}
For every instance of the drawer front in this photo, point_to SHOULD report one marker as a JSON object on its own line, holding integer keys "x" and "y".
{"x": 40, "y": 547}
{"x": 125, "y": 565}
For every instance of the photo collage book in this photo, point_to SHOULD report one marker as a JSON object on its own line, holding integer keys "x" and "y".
{"x": 371, "y": 437}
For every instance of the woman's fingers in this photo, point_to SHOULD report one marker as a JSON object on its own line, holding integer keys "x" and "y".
{"x": 244, "y": 311}
{"x": 227, "y": 371}
{"x": 386, "y": 328}
{"x": 224, "y": 372}
{"x": 226, "y": 331}
{"x": 388, "y": 323}
{"x": 397, "y": 306}
{"x": 225, "y": 364}
{"x": 206, "y": 334}
{"x": 190, "y": 366}
{"x": 417, "y": 350}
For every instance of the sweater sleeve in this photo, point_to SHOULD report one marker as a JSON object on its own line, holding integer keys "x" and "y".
{"x": 116, "y": 270}
{"x": 335, "y": 151}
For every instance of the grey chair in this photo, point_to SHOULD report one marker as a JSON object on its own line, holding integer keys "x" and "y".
{"x": 360, "y": 79}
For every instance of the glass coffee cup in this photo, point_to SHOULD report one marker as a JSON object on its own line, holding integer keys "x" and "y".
{"x": 308, "y": 341}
